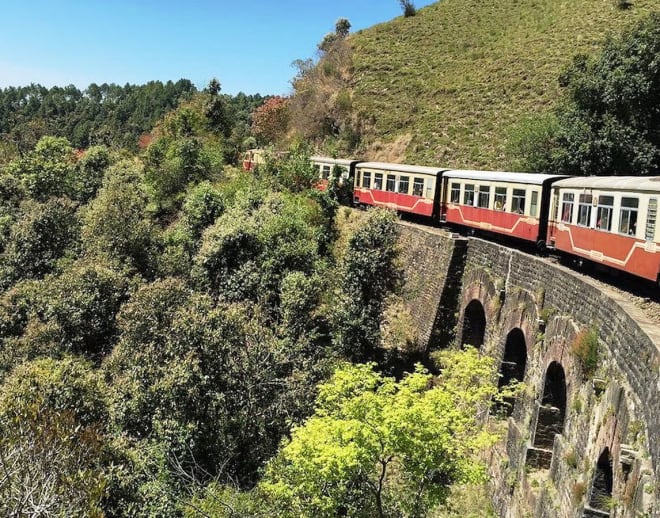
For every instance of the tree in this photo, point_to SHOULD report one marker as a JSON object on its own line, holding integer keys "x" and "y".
{"x": 47, "y": 170}
{"x": 74, "y": 312}
{"x": 269, "y": 121}
{"x": 330, "y": 40}
{"x": 89, "y": 172}
{"x": 378, "y": 447}
{"x": 180, "y": 156}
{"x": 50, "y": 441}
{"x": 116, "y": 223}
{"x": 40, "y": 236}
{"x": 209, "y": 382}
{"x": 408, "y": 8}
{"x": 247, "y": 252}
{"x": 342, "y": 27}
{"x": 216, "y": 109}
{"x": 368, "y": 273}
{"x": 609, "y": 122}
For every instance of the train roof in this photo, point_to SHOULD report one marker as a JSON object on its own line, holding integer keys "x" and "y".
{"x": 617, "y": 183}
{"x": 502, "y": 176}
{"x": 329, "y": 160}
{"x": 403, "y": 168}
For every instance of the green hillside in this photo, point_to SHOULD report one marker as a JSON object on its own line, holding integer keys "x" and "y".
{"x": 447, "y": 85}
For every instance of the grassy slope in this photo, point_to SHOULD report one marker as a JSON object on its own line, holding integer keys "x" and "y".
{"x": 445, "y": 87}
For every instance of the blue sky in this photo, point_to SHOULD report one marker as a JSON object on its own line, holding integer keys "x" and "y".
{"x": 248, "y": 45}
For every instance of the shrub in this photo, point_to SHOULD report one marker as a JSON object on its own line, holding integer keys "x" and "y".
{"x": 408, "y": 8}
{"x": 585, "y": 348}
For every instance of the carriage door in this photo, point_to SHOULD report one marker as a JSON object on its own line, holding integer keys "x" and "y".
{"x": 651, "y": 215}
{"x": 554, "y": 213}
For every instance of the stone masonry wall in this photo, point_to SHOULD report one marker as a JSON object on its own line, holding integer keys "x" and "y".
{"x": 432, "y": 262}
{"x": 615, "y": 410}
{"x": 617, "y": 407}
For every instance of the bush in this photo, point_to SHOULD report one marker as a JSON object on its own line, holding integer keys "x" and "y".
{"x": 408, "y": 8}
{"x": 368, "y": 274}
{"x": 585, "y": 348}
{"x": 40, "y": 236}
{"x": 116, "y": 222}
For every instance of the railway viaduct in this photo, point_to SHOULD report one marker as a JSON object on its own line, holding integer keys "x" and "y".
{"x": 582, "y": 439}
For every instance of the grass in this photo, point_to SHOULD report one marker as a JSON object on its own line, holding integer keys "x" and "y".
{"x": 453, "y": 80}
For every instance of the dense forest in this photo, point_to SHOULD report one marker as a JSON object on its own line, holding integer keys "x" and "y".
{"x": 108, "y": 114}
{"x": 179, "y": 337}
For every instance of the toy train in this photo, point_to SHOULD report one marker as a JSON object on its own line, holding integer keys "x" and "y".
{"x": 608, "y": 220}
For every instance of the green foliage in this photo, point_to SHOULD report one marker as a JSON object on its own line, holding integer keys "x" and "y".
{"x": 41, "y": 234}
{"x": 202, "y": 205}
{"x": 221, "y": 501}
{"x": 179, "y": 157}
{"x": 116, "y": 223}
{"x": 532, "y": 141}
{"x": 585, "y": 348}
{"x": 101, "y": 114}
{"x": 609, "y": 123}
{"x": 367, "y": 275}
{"x": 73, "y": 312}
{"x": 291, "y": 171}
{"x": 89, "y": 171}
{"x": 67, "y": 385}
{"x": 299, "y": 304}
{"x": 246, "y": 253}
{"x": 209, "y": 382}
{"x": 375, "y": 447}
{"x": 48, "y": 170}
{"x": 50, "y": 446}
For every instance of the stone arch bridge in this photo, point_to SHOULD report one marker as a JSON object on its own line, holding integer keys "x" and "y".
{"x": 582, "y": 439}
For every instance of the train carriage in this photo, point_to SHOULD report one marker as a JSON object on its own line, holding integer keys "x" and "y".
{"x": 608, "y": 220}
{"x": 513, "y": 204}
{"x": 401, "y": 187}
{"x": 324, "y": 166}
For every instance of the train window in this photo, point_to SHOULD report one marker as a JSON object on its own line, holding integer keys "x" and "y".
{"x": 518, "y": 201}
{"x": 604, "y": 212}
{"x": 468, "y": 194}
{"x": 390, "y": 184}
{"x": 651, "y": 216}
{"x": 455, "y": 193}
{"x": 404, "y": 182}
{"x": 378, "y": 181}
{"x": 628, "y": 216}
{"x": 500, "y": 198}
{"x": 534, "y": 204}
{"x": 584, "y": 209}
{"x": 366, "y": 179}
{"x": 484, "y": 196}
{"x": 325, "y": 172}
{"x": 418, "y": 186}
{"x": 567, "y": 207}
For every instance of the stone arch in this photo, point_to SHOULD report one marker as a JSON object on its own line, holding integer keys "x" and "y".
{"x": 602, "y": 483}
{"x": 513, "y": 365}
{"x": 474, "y": 324}
{"x": 552, "y": 410}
